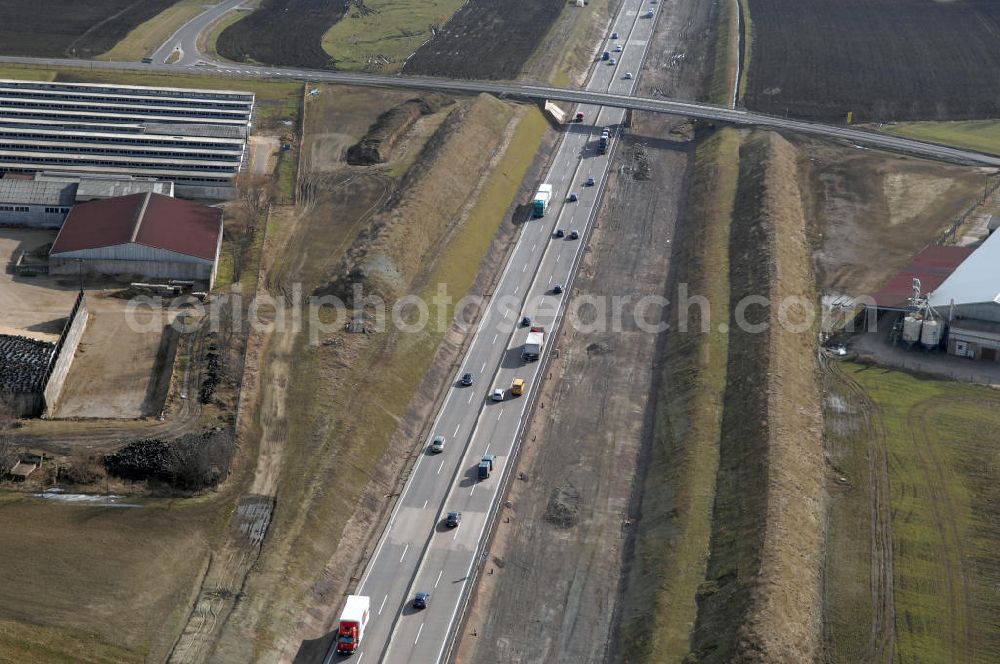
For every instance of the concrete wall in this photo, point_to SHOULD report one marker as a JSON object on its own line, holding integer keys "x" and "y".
{"x": 23, "y": 404}
{"x": 200, "y": 271}
{"x": 65, "y": 352}
{"x": 34, "y": 217}
{"x": 974, "y": 344}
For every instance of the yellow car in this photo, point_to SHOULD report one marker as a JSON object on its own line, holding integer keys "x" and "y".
{"x": 517, "y": 387}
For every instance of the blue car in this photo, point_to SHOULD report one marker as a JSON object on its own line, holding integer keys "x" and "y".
{"x": 573, "y": 198}
{"x": 420, "y": 600}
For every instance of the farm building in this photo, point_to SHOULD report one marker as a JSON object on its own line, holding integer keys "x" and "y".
{"x": 44, "y": 200}
{"x": 194, "y": 138}
{"x": 35, "y": 204}
{"x": 147, "y": 235}
{"x": 968, "y": 301}
{"x": 93, "y": 187}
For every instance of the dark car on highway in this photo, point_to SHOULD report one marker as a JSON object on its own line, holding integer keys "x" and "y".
{"x": 557, "y": 289}
{"x": 560, "y": 232}
{"x": 466, "y": 379}
{"x": 420, "y": 600}
{"x": 454, "y": 518}
{"x": 574, "y": 235}
{"x": 526, "y": 321}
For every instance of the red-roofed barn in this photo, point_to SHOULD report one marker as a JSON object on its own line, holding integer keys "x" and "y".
{"x": 157, "y": 237}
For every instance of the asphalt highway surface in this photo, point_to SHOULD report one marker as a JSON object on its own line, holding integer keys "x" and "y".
{"x": 185, "y": 39}
{"x": 417, "y": 551}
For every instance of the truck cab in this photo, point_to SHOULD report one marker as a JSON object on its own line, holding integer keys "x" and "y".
{"x": 486, "y": 466}
{"x": 353, "y": 621}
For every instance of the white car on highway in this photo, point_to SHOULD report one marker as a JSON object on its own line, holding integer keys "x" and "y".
{"x": 498, "y": 394}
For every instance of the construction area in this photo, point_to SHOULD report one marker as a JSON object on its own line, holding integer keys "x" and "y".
{"x": 696, "y": 479}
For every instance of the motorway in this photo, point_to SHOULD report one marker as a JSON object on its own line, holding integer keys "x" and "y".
{"x": 852, "y": 135}
{"x": 417, "y": 552}
{"x": 185, "y": 39}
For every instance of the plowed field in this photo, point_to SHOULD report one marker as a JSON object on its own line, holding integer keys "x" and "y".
{"x": 900, "y": 60}
{"x": 486, "y": 39}
{"x": 57, "y": 28}
{"x": 286, "y": 33}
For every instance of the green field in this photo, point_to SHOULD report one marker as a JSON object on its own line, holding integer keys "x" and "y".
{"x": 941, "y": 442}
{"x": 982, "y": 135}
{"x": 385, "y": 29}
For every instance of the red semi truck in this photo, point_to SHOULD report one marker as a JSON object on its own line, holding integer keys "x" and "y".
{"x": 353, "y": 621}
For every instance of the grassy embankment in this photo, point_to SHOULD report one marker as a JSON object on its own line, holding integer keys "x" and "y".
{"x": 982, "y": 135}
{"x": 945, "y": 514}
{"x": 679, "y": 482}
{"x": 145, "y": 38}
{"x": 348, "y": 400}
{"x": 558, "y": 59}
{"x": 760, "y": 599}
{"x": 727, "y": 40}
{"x": 747, "y": 47}
{"x": 385, "y": 29}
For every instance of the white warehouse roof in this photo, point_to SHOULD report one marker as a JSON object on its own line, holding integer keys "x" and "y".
{"x": 975, "y": 281}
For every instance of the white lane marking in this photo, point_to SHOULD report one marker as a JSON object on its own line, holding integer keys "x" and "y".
{"x": 456, "y": 430}
{"x": 500, "y": 415}
{"x": 483, "y": 368}
{"x": 557, "y": 258}
{"x": 440, "y": 573}
{"x": 533, "y": 247}
{"x": 383, "y": 604}
{"x": 420, "y": 629}
{"x": 470, "y": 398}
{"x": 470, "y": 493}
{"x": 517, "y": 289}
{"x": 425, "y": 505}
{"x": 550, "y": 278}
{"x": 454, "y": 537}
{"x": 361, "y": 656}
{"x": 404, "y": 553}
{"x": 440, "y": 467}
{"x": 495, "y": 337}
{"x": 524, "y": 267}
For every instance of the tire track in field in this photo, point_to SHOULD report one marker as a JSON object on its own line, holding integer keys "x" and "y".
{"x": 949, "y": 547}
{"x": 881, "y": 644}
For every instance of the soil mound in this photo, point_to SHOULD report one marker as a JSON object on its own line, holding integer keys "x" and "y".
{"x": 389, "y": 128}
{"x": 761, "y": 598}
{"x": 563, "y": 510}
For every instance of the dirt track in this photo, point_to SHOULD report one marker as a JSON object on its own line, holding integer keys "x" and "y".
{"x": 851, "y": 417}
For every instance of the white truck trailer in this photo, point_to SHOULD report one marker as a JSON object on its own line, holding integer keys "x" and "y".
{"x": 353, "y": 621}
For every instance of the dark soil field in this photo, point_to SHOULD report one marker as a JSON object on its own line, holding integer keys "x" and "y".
{"x": 469, "y": 45}
{"x": 901, "y": 60}
{"x": 60, "y": 28}
{"x": 283, "y": 32}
